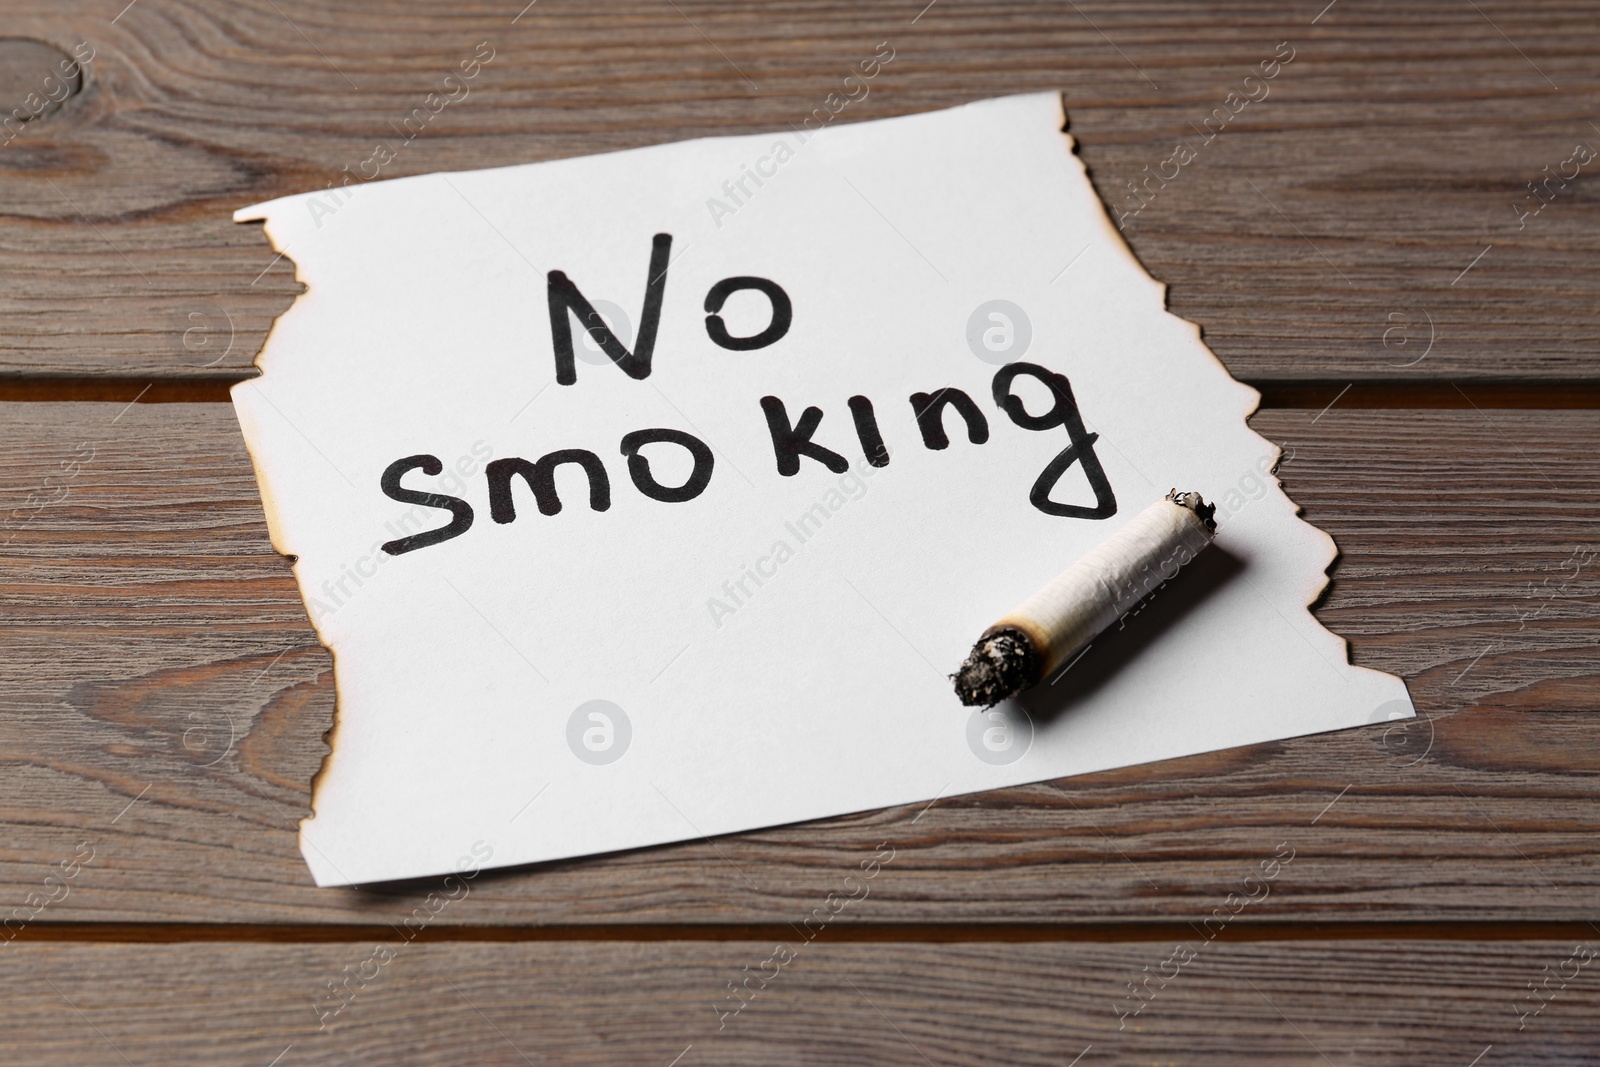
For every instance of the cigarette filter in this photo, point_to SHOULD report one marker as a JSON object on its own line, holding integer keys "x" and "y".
{"x": 1045, "y": 632}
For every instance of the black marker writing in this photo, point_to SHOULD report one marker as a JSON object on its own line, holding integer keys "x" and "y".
{"x": 458, "y": 508}
{"x": 565, "y": 298}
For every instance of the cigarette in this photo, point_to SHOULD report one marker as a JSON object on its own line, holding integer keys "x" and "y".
{"x": 1050, "y": 628}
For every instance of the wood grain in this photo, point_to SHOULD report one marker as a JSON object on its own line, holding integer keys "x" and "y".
{"x": 1415, "y": 1004}
{"x": 1327, "y": 232}
{"x": 164, "y": 698}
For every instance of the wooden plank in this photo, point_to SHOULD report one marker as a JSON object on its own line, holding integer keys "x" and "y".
{"x": 819, "y": 1002}
{"x": 163, "y": 702}
{"x": 1325, "y": 232}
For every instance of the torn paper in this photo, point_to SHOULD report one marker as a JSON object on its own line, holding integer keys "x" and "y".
{"x": 654, "y": 495}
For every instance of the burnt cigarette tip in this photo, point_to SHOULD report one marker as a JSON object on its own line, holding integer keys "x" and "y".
{"x": 1204, "y": 512}
{"x": 1000, "y": 664}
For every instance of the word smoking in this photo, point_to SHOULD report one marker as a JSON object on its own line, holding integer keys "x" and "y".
{"x": 792, "y": 439}
{"x": 1049, "y": 629}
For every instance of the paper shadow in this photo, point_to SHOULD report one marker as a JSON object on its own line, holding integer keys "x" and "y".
{"x": 1128, "y": 638}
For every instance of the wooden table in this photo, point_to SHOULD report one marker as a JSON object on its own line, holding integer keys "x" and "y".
{"x": 1360, "y": 243}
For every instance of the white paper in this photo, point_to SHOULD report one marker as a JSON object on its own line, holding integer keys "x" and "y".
{"x": 466, "y": 670}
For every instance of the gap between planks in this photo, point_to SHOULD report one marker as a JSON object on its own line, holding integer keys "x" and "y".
{"x": 856, "y": 932}
{"x": 1313, "y": 395}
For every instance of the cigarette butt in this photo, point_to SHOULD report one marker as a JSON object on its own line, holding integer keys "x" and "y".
{"x": 1045, "y": 632}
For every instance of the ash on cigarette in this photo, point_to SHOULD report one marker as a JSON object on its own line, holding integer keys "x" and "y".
{"x": 1000, "y": 664}
{"x": 1196, "y": 504}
